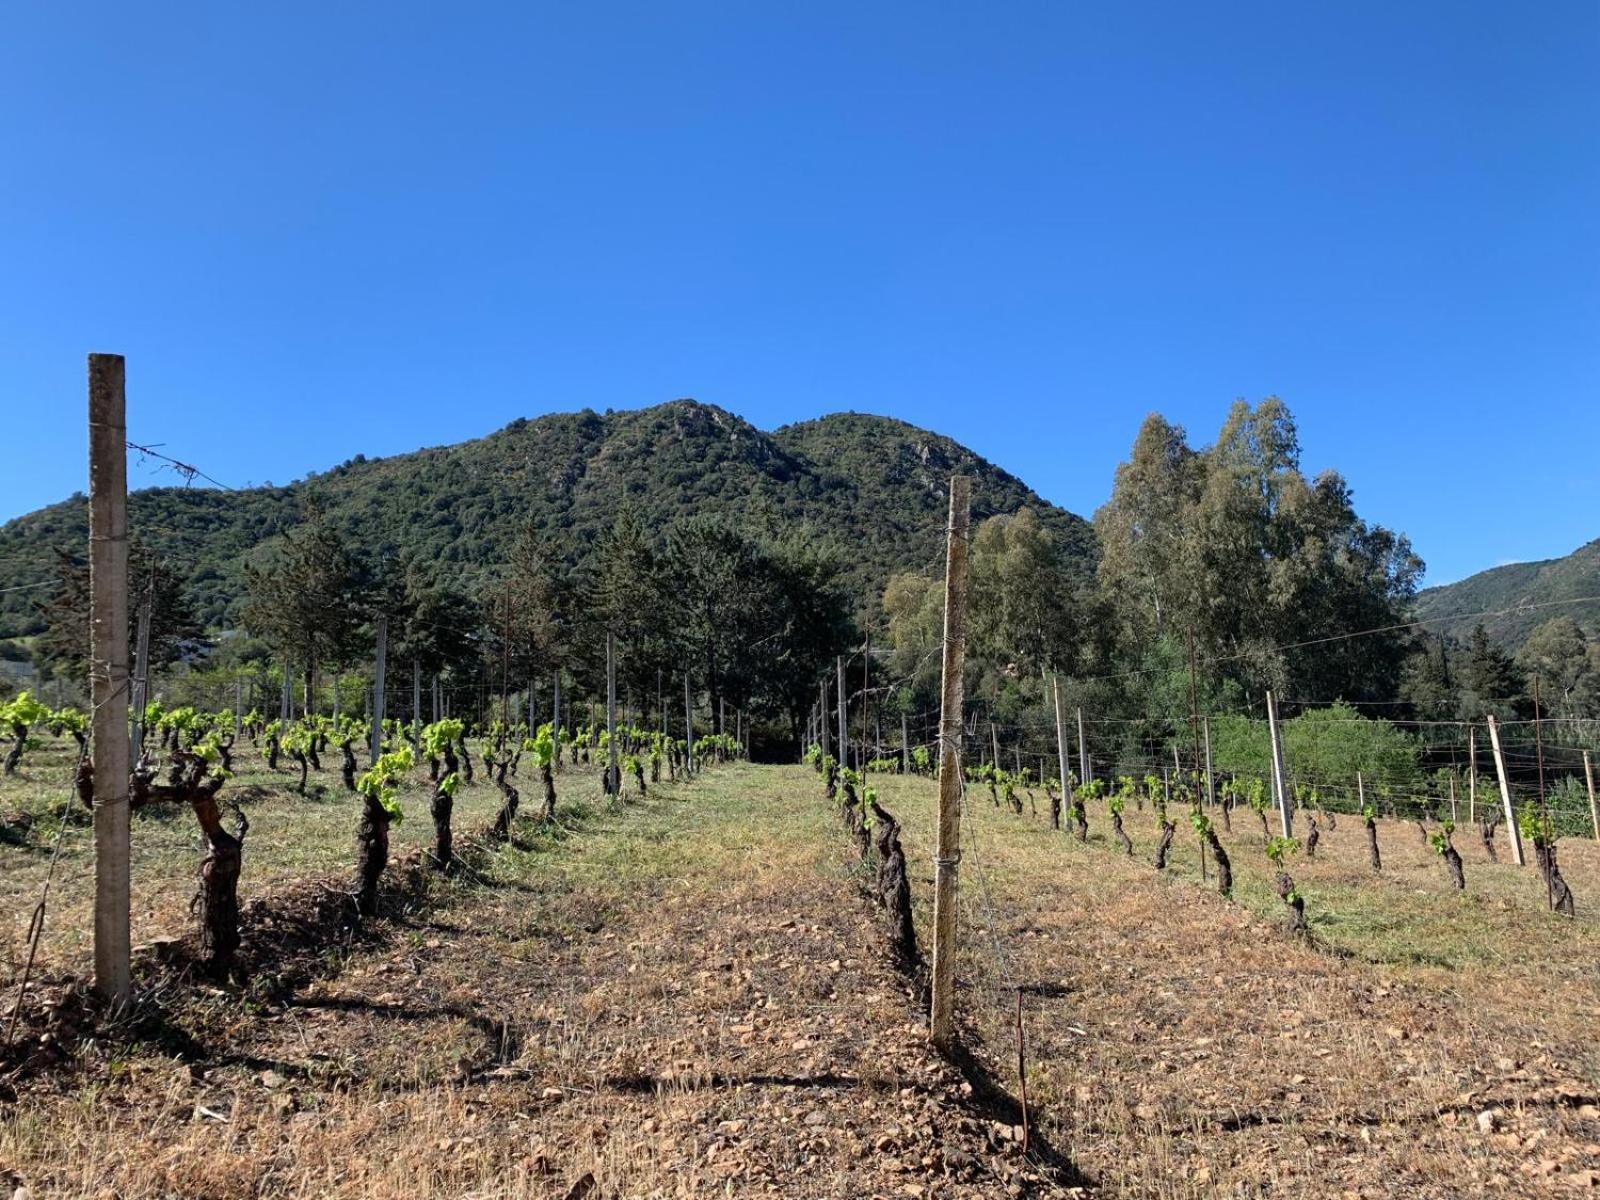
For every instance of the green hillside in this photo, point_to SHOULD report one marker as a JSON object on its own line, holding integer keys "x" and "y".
{"x": 875, "y": 484}
{"x": 1519, "y": 588}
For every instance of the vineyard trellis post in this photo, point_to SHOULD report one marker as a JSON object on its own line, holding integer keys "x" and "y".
{"x": 141, "y": 676}
{"x": 1083, "y": 753}
{"x": 1211, "y": 780}
{"x": 844, "y": 737}
{"x": 905, "y": 744}
{"x": 688, "y": 724}
{"x": 108, "y": 676}
{"x": 416, "y": 701}
{"x": 1594, "y": 809}
{"x": 1279, "y": 784}
{"x": 822, "y": 714}
{"x": 555, "y": 722}
{"x": 380, "y": 665}
{"x": 947, "y": 848}
{"x": 866, "y": 683}
{"x": 1512, "y": 832}
{"x": 613, "y": 780}
{"x": 1472, "y": 773}
{"x": 1061, "y": 739}
{"x": 238, "y": 708}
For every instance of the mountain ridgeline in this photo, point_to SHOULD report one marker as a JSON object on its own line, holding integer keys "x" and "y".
{"x": 874, "y": 485}
{"x": 1513, "y": 594}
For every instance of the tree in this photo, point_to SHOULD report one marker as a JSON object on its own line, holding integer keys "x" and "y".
{"x": 307, "y": 600}
{"x": 1491, "y": 682}
{"x": 1265, "y": 569}
{"x": 1567, "y": 666}
{"x": 63, "y": 647}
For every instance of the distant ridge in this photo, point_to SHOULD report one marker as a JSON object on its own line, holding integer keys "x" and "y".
{"x": 1519, "y": 587}
{"x": 875, "y": 484}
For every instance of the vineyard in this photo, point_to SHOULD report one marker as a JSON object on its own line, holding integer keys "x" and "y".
{"x": 708, "y": 979}
{"x": 657, "y": 871}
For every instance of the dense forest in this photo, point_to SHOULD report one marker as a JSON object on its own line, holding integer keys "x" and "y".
{"x": 873, "y": 483}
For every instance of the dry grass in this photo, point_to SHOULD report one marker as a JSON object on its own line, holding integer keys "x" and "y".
{"x": 678, "y": 997}
{"x": 686, "y": 996}
{"x": 1184, "y": 1045}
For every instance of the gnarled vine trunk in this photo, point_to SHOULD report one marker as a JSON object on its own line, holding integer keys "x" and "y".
{"x": 1560, "y": 894}
{"x": 1313, "y": 836}
{"x": 894, "y": 888}
{"x": 1452, "y": 861}
{"x": 547, "y": 814}
{"x": 1224, "y": 863}
{"x": 372, "y": 853}
{"x": 1297, "y": 906}
{"x": 1055, "y": 807}
{"x": 1121, "y": 834}
{"x": 347, "y": 769}
{"x": 1164, "y": 845}
{"x": 19, "y": 742}
{"x": 1080, "y": 821}
{"x": 217, "y": 902}
{"x": 1486, "y": 832}
{"x": 441, "y": 808}
{"x": 1373, "y": 856}
{"x": 501, "y": 832}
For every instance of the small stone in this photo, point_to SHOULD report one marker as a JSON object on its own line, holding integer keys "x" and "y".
{"x": 1489, "y": 1120}
{"x": 816, "y": 1117}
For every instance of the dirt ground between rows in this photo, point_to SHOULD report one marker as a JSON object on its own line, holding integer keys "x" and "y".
{"x": 1423, "y": 1043}
{"x": 688, "y": 996}
{"x": 685, "y": 996}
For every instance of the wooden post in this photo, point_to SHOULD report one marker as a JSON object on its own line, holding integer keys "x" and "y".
{"x": 238, "y": 708}
{"x": 947, "y": 847}
{"x": 108, "y": 670}
{"x": 141, "y": 678}
{"x": 688, "y": 724}
{"x": 380, "y": 666}
{"x": 1512, "y": 832}
{"x": 844, "y": 737}
{"x": 822, "y": 716}
{"x": 866, "y": 682}
{"x": 905, "y": 746}
{"x": 1211, "y": 782}
{"x": 555, "y": 720}
{"x": 416, "y": 701}
{"x": 1061, "y": 742}
{"x": 613, "y": 780}
{"x": 1594, "y": 810}
{"x": 1279, "y": 784}
{"x": 1454, "y": 817}
{"x": 1083, "y": 754}
{"x": 1472, "y": 774}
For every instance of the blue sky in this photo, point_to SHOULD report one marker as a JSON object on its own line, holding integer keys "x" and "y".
{"x": 318, "y": 230}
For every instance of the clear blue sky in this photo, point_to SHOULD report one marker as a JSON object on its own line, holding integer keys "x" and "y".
{"x": 316, "y": 230}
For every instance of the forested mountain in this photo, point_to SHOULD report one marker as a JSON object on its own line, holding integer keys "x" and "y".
{"x": 875, "y": 485}
{"x": 1519, "y": 587}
